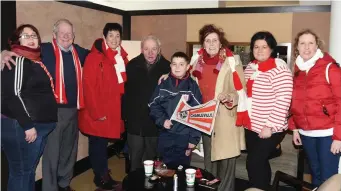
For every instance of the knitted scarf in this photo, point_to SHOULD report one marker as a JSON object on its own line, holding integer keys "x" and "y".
{"x": 305, "y": 66}
{"x": 30, "y": 53}
{"x": 119, "y": 55}
{"x": 245, "y": 98}
{"x": 243, "y": 118}
{"x": 201, "y": 58}
{"x": 34, "y": 55}
{"x": 60, "y": 85}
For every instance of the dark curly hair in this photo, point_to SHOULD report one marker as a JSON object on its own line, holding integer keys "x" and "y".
{"x": 209, "y": 29}
{"x": 14, "y": 39}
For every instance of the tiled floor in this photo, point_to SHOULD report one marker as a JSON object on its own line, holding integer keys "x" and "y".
{"x": 84, "y": 181}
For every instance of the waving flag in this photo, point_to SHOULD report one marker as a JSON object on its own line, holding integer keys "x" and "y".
{"x": 200, "y": 117}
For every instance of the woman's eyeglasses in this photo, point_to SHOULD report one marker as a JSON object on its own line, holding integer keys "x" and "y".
{"x": 27, "y": 36}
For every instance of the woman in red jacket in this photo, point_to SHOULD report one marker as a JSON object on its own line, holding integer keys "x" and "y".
{"x": 315, "y": 109}
{"x": 103, "y": 79}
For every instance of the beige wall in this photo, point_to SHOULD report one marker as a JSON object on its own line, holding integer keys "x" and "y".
{"x": 318, "y": 22}
{"x": 88, "y": 24}
{"x": 241, "y": 27}
{"x": 171, "y": 29}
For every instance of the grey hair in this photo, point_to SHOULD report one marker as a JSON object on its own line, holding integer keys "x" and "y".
{"x": 151, "y": 37}
{"x": 55, "y": 26}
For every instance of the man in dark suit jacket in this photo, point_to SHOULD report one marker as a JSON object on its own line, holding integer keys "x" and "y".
{"x": 143, "y": 73}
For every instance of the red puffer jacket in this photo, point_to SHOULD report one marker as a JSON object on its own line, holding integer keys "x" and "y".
{"x": 312, "y": 93}
{"x": 102, "y": 93}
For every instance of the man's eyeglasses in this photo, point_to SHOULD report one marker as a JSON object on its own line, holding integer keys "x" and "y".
{"x": 27, "y": 36}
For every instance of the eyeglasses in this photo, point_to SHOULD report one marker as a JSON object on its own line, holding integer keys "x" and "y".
{"x": 27, "y": 36}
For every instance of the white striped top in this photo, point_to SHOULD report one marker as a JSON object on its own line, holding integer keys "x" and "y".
{"x": 271, "y": 97}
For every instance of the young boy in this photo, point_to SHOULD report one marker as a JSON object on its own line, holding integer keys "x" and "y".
{"x": 176, "y": 140}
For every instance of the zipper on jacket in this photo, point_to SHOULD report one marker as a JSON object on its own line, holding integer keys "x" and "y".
{"x": 101, "y": 66}
{"x": 305, "y": 102}
{"x": 324, "y": 109}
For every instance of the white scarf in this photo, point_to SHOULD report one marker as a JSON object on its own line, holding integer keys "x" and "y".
{"x": 305, "y": 66}
{"x": 120, "y": 65}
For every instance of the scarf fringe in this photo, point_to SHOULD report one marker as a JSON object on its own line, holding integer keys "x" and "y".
{"x": 198, "y": 60}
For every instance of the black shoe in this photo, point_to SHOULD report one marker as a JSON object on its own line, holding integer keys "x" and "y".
{"x": 105, "y": 182}
{"x": 68, "y": 188}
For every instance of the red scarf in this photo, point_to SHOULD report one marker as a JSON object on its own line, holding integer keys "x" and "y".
{"x": 217, "y": 60}
{"x": 60, "y": 85}
{"x": 263, "y": 67}
{"x": 30, "y": 53}
{"x": 34, "y": 55}
{"x": 177, "y": 80}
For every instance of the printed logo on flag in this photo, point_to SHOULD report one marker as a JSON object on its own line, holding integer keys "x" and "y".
{"x": 186, "y": 97}
{"x": 183, "y": 115}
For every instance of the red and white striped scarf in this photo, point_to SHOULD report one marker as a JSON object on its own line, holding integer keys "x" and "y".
{"x": 50, "y": 77}
{"x": 245, "y": 98}
{"x": 243, "y": 118}
{"x": 60, "y": 85}
{"x": 120, "y": 56}
{"x": 199, "y": 60}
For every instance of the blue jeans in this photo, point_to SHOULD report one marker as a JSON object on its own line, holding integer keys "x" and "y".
{"x": 23, "y": 157}
{"x": 323, "y": 163}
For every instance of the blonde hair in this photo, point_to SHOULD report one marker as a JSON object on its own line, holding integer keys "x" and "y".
{"x": 319, "y": 42}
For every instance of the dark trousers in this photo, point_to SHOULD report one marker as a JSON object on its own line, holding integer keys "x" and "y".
{"x": 257, "y": 161}
{"x": 23, "y": 157}
{"x": 98, "y": 155}
{"x": 323, "y": 163}
{"x": 223, "y": 169}
{"x": 60, "y": 154}
{"x": 141, "y": 148}
{"x": 172, "y": 148}
{"x": 210, "y": 166}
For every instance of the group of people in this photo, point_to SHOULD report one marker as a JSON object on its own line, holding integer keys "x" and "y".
{"x": 50, "y": 90}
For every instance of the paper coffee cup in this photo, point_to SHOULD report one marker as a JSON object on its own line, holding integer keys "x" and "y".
{"x": 148, "y": 167}
{"x": 190, "y": 176}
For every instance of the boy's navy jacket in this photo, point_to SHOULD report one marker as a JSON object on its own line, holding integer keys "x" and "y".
{"x": 165, "y": 99}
